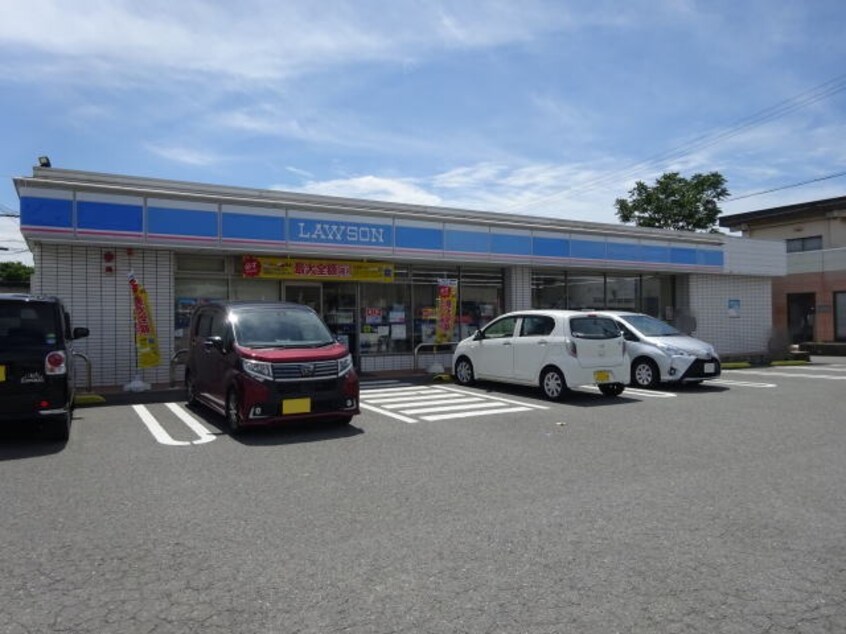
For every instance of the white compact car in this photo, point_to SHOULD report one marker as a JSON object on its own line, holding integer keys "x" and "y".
{"x": 552, "y": 349}
{"x": 659, "y": 352}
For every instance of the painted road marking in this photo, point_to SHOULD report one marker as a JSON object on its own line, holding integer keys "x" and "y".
{"x": 828, "y": 377}
{"x": 632, "y": 391}
{"x": 161, "y": 436}
{"x": 195, "y": 425}
{"x": 741, "y": 383}
{"x": 434, "y": 403}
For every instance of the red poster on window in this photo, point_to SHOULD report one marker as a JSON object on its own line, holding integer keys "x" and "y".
{"x": 447, "y": 306}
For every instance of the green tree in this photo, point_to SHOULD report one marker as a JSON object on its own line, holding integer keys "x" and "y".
{"x": 15, "y": 272}
{"x": 675, "y": 202}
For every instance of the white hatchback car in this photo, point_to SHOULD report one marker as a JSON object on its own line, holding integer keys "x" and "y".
{"x": 553, "y": 349}
{"x": 660, "y": 352}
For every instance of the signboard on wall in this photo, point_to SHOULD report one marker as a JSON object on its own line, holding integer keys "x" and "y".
{"x": 262, "y": 267}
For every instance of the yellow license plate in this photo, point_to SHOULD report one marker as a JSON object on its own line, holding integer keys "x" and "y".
{"x": 602, "y": 376}
{"x": 296, "y": 406}
{"x": 2, "y": 372}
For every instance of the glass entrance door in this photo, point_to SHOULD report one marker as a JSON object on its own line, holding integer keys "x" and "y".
{"x": 310, "y": 295}
{"x": 340, "y": 314}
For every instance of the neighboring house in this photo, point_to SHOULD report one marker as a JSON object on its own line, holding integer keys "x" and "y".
{"x": 809, "y": 303}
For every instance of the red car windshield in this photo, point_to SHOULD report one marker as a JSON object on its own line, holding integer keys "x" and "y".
{"x": 279, "y": 328}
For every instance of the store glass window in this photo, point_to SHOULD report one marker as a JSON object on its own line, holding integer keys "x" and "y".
{"x": 339, "y": 307}
{"x": 385, "y": 318}
{"x": 425, "y": 299}
{"x": 190, "y": 263}
{"x": 656, "y": 295}
{"x": 190, "y": 293}
{"x": 585, "y": 291}
{"x": 549, "y": 289}
{"x": 622, "y": 293}
{"x": 480, "y": 295}
{"x": 266, "y": 290}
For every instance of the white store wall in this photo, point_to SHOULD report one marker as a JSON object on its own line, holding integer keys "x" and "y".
{"x": 747, "y": 333}
{"x": 102, "y": 302}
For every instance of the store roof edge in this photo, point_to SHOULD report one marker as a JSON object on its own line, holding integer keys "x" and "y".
{"x": 112, "y": 183}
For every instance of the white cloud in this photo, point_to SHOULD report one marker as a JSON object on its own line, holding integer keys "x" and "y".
{"x": 255, "y": 41}
{"x": 372, "y": 188}
{"x": 184, "y": 155}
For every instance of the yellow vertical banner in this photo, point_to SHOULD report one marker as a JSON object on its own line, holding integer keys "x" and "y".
{"x": 447, "y": 307}
{"x": 146, "y": 342}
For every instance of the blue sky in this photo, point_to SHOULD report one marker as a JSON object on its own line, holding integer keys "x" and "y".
{"x": 544, "y": 108}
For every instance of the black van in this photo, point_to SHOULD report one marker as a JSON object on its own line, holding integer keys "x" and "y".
{"x": 36, "y": 362}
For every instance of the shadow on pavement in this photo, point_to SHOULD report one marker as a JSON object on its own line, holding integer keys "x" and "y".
{"x": 282, "y": 434}
{"x": 19, "y": 441}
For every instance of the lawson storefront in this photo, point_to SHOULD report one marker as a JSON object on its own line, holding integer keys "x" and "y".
{"x": 388, "y": 279}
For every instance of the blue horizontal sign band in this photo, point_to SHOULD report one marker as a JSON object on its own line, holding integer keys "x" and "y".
{"x": 182, "y": 222}
{"x": 551, "y": 247}
{"x": 709, "y": 257}
{"x": 343, "y": 233}
{"x": 681, "y": 255}
{"x": 46, "y": 212}
{"x": 419, "y": 238}
{"x": 468, "y": 241}
{"x": 511, "y": 245}
{"x": 252, "y": 227}
{"x": 109, "y": 216}
{"x": 587, "y": 249}
{"x": 623, "y": 251}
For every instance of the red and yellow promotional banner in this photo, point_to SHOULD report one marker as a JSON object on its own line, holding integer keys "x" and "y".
{"x": 267, "y": 267}
{"x": 146, "y": 342}
{"x": 447, "y": 306}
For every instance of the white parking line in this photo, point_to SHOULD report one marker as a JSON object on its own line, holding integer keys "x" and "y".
{"x": 435, "y": 403}
{"x": 155, "y": 428}
{"x": 496, "y": 398}
{"x": 384, "y": 412}
{"x": 414, "y": 399}
{"x": 420, "y": 389}
{"x": 830, "y": 377}
{"x": 633, "y": 391}
{"x": 469, "y": 403}
{"x": 505, "y": 410}
{"x": 742, "y": 383}
{"x": 195, "y": 425}
{"x": 161, "y": 436}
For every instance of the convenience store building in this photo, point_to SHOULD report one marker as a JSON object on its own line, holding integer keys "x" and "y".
{"x": 373, "y": 270}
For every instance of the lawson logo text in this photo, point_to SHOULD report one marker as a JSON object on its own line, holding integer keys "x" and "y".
{"x": 340, "y": 232}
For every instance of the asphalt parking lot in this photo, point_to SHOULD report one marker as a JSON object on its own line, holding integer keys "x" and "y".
{"x": 718, "y": 508}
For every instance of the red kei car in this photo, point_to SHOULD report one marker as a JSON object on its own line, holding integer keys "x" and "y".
{"x": 260, "y": 363}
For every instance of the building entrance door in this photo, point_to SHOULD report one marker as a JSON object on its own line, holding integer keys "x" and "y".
{"x": 310, "y": 295}
{"x": 801, "y": 310}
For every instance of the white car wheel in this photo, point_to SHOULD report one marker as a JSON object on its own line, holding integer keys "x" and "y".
{"x": 553, "y": 384}
{"x": 645, "y": 373}
{"x": 464, "y": 371}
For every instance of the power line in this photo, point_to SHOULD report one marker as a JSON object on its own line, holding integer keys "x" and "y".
{"x": 778, "y": 189}
{"x": 780, "y": 109}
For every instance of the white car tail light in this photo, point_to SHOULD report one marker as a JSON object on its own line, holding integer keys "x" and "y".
{"x": 570, "y": 346}
{"x": 55, "y": 363}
